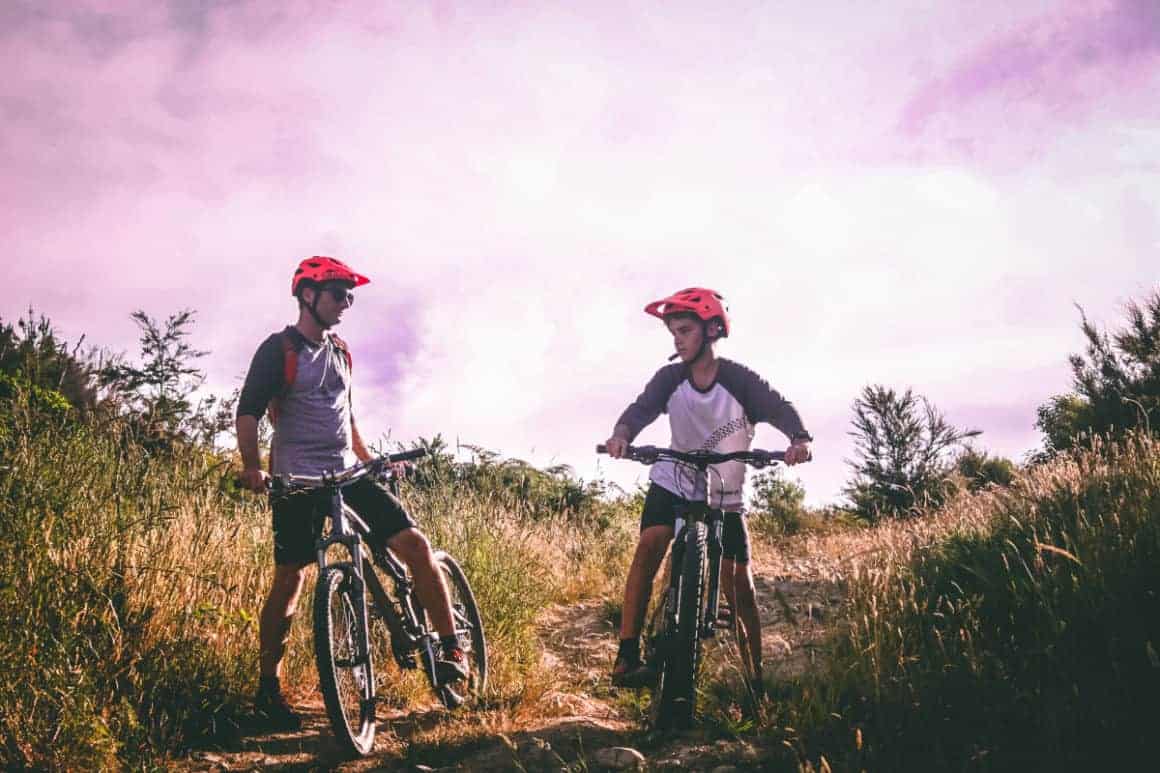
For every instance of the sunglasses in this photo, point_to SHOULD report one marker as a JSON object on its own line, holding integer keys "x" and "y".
{"x": 340, "y": 294}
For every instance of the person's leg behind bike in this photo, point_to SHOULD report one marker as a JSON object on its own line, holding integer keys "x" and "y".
{"x": 656, "y": 532}
{"x": 392, "y": 525}
{"x": 297, "y": 522}
{"x": 737, "y": 585}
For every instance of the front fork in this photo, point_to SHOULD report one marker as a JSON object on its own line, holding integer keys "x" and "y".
{"x": 342, "y": 534}
{"x": 709, "y": 624}
{"x": 682, "y": 534}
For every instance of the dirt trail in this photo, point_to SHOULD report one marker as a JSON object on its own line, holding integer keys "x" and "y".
{"x": 577, "y": 713}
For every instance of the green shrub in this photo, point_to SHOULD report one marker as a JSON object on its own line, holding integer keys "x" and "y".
{"x": 775, "y": 504}
{"x": 979, "y": 469}
{"x": 901, "y": 444}
{"x": 1027, "y": 639}
{"x": 1115, "y": 382}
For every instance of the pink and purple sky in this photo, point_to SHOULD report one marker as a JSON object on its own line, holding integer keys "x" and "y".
{"x": 907, "y": 193}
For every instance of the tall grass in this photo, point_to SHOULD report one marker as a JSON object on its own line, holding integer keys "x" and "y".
{"x": 132, "y": 578}
{"x": 1016, "y": 629}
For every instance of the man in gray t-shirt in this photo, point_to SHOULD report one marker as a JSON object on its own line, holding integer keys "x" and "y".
{"x": 302, "y": 376}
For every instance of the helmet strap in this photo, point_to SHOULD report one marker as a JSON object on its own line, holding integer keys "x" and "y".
{"x": 704, "y": 342}
{"x": 312, "y": 307}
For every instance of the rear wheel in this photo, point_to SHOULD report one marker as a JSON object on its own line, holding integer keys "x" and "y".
{"x": 469, "y": 629}
{"x": 677, "y": 690}
{"x": 345, "y": 678}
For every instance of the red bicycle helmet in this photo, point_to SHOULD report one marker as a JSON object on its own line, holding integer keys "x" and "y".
{"x": 320, "y": 268}
{"x": 706, "y": 304}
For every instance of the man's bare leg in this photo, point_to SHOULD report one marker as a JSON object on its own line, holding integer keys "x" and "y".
{"x": 277, "y": 615}
{"x": 650, "y": 551}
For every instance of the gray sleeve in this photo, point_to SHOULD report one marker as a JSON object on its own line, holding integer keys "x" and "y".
{"x": 652, "y": 401}
{"x": 761, "y": 402}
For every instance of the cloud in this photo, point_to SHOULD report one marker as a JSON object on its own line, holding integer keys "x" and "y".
{"x": 1008, "y": 98}
{"x": 519, "y": 183}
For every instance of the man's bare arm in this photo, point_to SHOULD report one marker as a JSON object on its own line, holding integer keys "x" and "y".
{"x": 252, "y": 475}
{"x": 356, "y": 442}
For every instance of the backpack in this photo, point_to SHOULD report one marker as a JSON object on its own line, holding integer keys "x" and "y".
{"x": 290, "y": 368}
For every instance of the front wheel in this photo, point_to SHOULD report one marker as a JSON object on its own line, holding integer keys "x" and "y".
{"x": 469, "y": 629}
{"x": 678, "y": 682}
{"x": 345, "y": 676}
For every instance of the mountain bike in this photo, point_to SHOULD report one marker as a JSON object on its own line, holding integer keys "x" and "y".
{"x": 348, "y": 625}
{"x": 688, "y": 611}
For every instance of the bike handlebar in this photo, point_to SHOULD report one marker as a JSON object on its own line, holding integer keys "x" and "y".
{"x": 650, "y": 454}
{"x": 281, "y": 484}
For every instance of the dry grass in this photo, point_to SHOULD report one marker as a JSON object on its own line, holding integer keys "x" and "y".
{"x": 1013, "y": 629}
{"x": 136, "y": 577}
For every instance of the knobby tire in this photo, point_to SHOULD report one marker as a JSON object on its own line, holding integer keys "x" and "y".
{"x": 677, "y": 690}
{"x": 469, "y": 629}
{"x": 345, "y": 684}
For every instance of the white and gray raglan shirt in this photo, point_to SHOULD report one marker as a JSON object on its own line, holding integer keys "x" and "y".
{"x": 721, "y": 418}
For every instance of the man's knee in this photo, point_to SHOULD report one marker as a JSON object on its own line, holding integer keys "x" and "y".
{"x": 410, "y": 545}
{"x": 289, "y": 576}
{"x": 287, "y": 585}
{"x": 653, "y": 542}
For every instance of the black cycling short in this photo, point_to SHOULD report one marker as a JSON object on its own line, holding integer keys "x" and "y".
{"x": 660, "y": 510}
{"x": 298, "y": 518}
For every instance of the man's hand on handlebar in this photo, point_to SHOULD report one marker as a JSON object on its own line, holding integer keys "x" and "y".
{"x": 255, "y": 479}
{"x": 617, "y": 446}
{"x": 798, "y": 452}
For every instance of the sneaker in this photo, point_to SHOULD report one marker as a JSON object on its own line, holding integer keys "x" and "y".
{"x": 451, "y": 665}
{"x": 627, "y": 673}
{"x": 275, "y": 713}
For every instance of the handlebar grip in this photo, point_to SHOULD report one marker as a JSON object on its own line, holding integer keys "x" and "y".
{"x": 406, "y": 456}
{"x": 601, "y": 449}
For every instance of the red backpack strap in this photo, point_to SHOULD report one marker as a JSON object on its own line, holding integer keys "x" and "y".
{"x": 289, "y": 373}
{"x": 342, "y": 347}
{"x": 290, "y": 368}
{"x": 289, "y": 363}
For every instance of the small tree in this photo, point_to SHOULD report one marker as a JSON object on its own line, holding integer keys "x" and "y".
{"x": 213, "y": 417}
{"x": 980, "y": 469}
{"x": 160, "y": 389}
{"x": 902, "y": 444}
{"x": 776, "y": 503}
{"x": 1116, "y": 382}
{"x": 32, "y": 352}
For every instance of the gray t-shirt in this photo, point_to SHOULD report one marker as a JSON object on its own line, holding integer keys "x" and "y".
{"x": 312, "y": 430}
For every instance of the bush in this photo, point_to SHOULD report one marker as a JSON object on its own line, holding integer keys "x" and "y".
{"x": 979, "y": 469}
{"x": 137, "y": 574}
{"x": 106, "y": 666}
{"x": 1026, "y": 639}
{"x": 775, "y": 504}
{"x": 902, "y": 443}
{"x": 1116, "y": 382}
